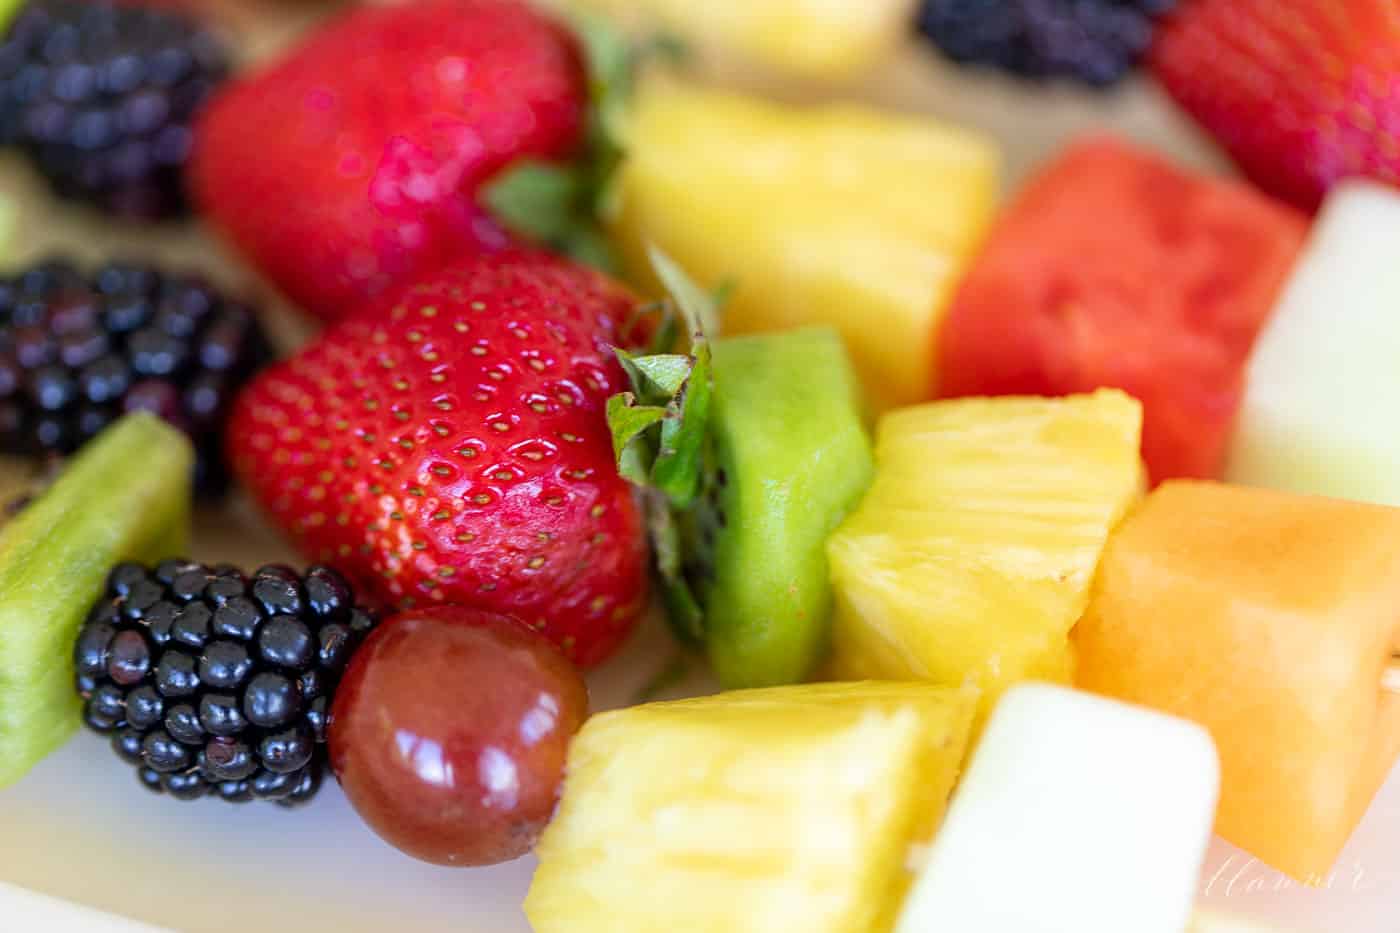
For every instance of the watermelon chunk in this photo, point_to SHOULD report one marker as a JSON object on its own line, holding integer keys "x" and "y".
{"x": 1115, "y": 268}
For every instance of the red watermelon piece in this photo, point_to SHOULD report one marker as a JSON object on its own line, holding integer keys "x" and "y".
{"x": 1115, "y": 268}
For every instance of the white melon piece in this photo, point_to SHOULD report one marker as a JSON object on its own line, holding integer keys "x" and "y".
{"x": 1323, "y": 384}
{"x": 1078, "y": 813}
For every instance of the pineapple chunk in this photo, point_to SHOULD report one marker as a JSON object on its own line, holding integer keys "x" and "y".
{"x": 803, "y": 38}
{"x": 972, "y": 555}
{"x": 786, "y": 808}
{"x": 835, "y": 215}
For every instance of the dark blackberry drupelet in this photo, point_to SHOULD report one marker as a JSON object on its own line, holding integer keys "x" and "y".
{"x": 103, "y": 96}
{"x": 76, "y": 353}
{"x": 1094, "y": 41}
{"x": 201, "y": 708}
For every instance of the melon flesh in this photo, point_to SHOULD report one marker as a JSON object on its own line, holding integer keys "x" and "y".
{"x": 1269, "y": 618}
{"x": 1322, "y": 381}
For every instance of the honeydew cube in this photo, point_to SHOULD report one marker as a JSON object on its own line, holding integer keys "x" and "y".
{"x": 1323, "y": 384}
{"x": 1078, "y": 814}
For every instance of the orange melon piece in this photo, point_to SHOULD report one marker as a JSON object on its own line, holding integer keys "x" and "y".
{"x": 1269, "y": 618}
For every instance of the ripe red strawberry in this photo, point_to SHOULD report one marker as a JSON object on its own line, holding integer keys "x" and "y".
{"x": 352, "y": 164}
{"x": 1302, "y": 93}
{"x": 451, "y": 447}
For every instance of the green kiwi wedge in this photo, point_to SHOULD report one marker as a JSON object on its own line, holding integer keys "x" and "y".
{"x": 750, "y": 451}
{"x": 123, "y": 496}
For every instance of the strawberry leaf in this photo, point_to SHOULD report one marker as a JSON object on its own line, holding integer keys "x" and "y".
{"x": 656, "y": 378}
{"x": 682, "y": 608}
{"x": 676, "y": 471}
{"x": 629, "y": 423}
{"x": 537, "y": 199}
{"x": 562, "y": 206}
{"x": 660, "y": 432}
{"x": 698, "y": 307}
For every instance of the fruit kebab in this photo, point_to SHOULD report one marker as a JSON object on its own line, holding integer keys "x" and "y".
{"x": 1269, "y": 618}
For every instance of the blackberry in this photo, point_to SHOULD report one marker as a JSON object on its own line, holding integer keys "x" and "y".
{"x": 102, "y": 95}
{"x": 1094, "y": 41}
{"x": 237, "y": 712}
{"x": 76, "y": 352}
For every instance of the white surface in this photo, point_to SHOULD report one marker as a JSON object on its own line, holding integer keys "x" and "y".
{"x": 1059, "y": 779}
{"x": 1319, "y": 411}
{"x": 22, "y": 910}
{"x": 1213, "y": 922}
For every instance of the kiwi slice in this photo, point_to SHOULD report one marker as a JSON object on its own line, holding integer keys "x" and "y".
{"x": 124, "y": 496}
{"x": 750, "y": 451}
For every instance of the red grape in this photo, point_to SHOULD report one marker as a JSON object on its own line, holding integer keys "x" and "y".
{"x": 449, "y": 733}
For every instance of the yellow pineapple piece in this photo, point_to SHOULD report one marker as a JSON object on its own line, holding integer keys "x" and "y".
{"x": 972, "y": 555}
{"x": 839, "y": 215}
{"x": 822, "y": 39}
{"x": 785, "y": 808}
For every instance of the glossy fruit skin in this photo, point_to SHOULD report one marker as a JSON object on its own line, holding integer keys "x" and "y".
{"x": 1302, "y": 93}
{"x": 451, "y": 447}
{"x": 352, "y": 164}
{"x": 450, "y": 731}
{"x": 202, "y": 701}
{"x": 1115, "y": 268}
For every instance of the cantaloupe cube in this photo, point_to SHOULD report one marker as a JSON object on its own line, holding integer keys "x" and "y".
{"x": 787, "y": 808}
{"x": 1324, "y": 380}
{"x": 1269, "y": 619}
{"x": 971, "y": 556}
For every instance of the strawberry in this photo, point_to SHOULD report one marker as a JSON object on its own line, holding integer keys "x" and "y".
{"x": 353, "y": 163}
{"x": 451, "y": 446}
{"x": 1302, "y": 93}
